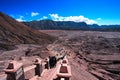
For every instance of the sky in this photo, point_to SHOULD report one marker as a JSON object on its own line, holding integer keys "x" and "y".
{"x": 102, "y": 12}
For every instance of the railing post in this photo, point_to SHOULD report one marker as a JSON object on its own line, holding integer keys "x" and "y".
{"x": 15, "y": 71}
{"x": 38, "y": 69}
{"x": 64, "y": 70}
{"x": 47, "y": 65}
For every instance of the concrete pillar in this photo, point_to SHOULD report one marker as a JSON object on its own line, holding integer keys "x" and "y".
{"x": 15, "y": 71}
{"x": 64, "y": 70}
{"x": 38, "y": 69}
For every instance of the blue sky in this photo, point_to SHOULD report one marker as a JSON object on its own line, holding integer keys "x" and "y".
{"x": 89, "y": 11}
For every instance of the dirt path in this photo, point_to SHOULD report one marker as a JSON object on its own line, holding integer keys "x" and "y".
{"x": 79, "y": 71}
{"x": 50, "y": 74}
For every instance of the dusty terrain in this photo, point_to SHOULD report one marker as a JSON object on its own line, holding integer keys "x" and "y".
{"x": 92, "y": 55}
{"x": 97, "y": 52}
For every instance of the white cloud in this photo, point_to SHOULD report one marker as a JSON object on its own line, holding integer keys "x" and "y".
{"x": 54, "y": 15}
{"x": 80, "y": 18}
{"x": 20, "y": 19}
{"x": 99, "y": 19}
{"x": 44, "y": 17}
{"x": 34, "y": 14}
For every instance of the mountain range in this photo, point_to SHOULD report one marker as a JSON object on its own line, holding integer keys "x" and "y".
{"x": 69, "y": 25}
{"x": 13, "y": 32}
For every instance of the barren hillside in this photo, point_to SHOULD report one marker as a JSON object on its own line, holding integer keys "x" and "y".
{"x": 13, "y": 32}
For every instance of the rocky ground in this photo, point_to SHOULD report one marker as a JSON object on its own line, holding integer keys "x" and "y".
{"x": 25, "y": 53}
{"x": 92, "y": 55}
{"x": 97, "y": 52}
